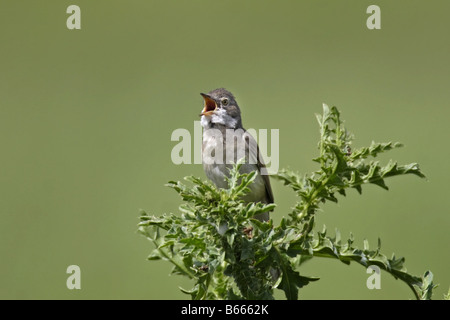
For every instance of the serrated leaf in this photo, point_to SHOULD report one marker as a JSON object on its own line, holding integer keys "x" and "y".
{"x": 228, "y": 254}
{"x": 447, "y": 296}
{"x": 291, "y": 281}
{"x": 154, "y": 256}
{"x": 425, "y": 289}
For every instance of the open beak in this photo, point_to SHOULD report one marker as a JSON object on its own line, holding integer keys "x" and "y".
{"x": 210, "y": 105}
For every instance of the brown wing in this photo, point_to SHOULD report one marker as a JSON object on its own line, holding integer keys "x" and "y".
{"x": 255, "y": 157}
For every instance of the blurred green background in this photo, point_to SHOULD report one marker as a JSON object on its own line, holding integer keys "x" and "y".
{"x": 86, "y": 118}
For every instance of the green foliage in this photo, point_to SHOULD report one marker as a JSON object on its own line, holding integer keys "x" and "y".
{"x": 217, "y": 243}
{"x": 447, "y": 296}
{"x": 228, "y": 254}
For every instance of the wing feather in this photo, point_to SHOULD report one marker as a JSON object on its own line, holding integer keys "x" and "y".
{"x": 256, "y": 157}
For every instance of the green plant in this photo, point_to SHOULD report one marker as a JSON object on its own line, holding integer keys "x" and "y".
{"x": 229, "y": 255}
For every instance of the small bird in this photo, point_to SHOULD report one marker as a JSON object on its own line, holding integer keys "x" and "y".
{"x": 225, "y": 141}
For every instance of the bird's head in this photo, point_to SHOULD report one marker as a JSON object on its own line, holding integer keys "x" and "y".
{"x": 220, "y": 107}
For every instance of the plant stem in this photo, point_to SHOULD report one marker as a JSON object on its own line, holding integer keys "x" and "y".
{"x": 393, "y": 273}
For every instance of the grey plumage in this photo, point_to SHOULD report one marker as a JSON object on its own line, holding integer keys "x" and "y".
{"x": 225, "y": 141}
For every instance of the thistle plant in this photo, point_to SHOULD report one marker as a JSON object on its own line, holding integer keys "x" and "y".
{"x": 228, "y": 254}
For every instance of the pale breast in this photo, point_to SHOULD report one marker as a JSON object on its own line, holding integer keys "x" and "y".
{"x": 215, "y": 158}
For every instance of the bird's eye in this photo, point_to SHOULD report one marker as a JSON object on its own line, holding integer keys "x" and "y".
{"x": 225, "y": 101}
